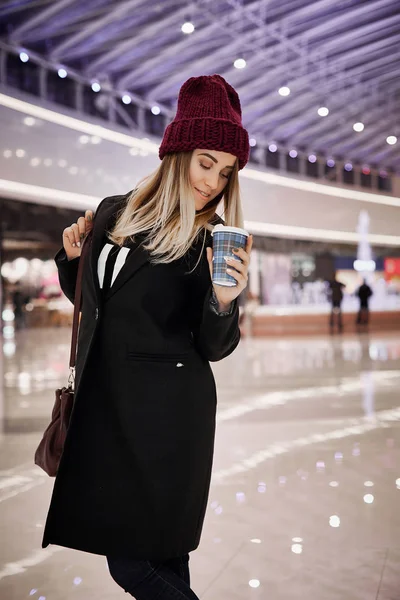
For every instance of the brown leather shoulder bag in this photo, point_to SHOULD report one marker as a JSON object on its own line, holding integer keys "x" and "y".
{"x": 49, "y": 451}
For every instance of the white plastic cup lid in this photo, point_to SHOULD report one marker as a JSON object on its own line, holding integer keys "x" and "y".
{"x": 227, "y": 228}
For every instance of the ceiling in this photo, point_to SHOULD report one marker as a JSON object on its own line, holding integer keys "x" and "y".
{"x": 340, "y": 54}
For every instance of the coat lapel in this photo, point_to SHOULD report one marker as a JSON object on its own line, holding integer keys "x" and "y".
{"x": 105, "y": 220}
{"x": 134, "y": 261}
{"x": 100, "y": 223}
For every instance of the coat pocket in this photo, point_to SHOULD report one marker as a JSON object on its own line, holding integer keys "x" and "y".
{"x": 177, "y": 359}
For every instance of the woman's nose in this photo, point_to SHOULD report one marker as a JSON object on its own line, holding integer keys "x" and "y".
{"x": 211, "y": 181}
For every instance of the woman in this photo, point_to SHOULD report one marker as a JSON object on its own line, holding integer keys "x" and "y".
{"x": 134, "y": 477}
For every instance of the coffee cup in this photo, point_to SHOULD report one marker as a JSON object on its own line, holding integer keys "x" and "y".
{"x": 225, "y": 239}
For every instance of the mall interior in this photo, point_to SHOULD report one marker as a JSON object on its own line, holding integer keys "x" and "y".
{"x": 305, "y": 487}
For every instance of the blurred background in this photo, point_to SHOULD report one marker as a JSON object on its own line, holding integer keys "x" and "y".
{"x": 86, "y": 91}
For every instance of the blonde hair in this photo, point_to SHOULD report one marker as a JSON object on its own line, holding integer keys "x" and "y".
{"x": 163, "y": 205}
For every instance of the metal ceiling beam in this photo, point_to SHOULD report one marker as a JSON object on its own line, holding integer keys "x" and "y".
{"x": 340, "y": 137}
{"x": 60, "y": 51}
{"x": 376, "y": 136}
{"x": 123, "y": 65}
{"x": 347, "y": 125}
{"x": 345, "y": 139}
{"x": 380, "y": 151}
{"x": 180, "y": 47}
{"x": 332, "y": 68}
{"x": 13, "y": 8}
{"x": 298, "y": 101}
{"x": 124, "y": 48}
{"x": 236, "y": 78}
{"x": 394, "y": 163}
{"x": 227, "y": 49}
{"x": 171, "y": 82}
{"x": 202, "y": 64}
{"x": 37, "y": 19}
{"x": 135, "y": 41}
{"x": 347, "y": 16}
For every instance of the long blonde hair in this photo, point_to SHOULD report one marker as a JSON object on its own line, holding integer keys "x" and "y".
{"x": 163, "y": 205}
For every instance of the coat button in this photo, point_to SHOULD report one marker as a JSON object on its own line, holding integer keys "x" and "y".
{"x": 96, "y": 314}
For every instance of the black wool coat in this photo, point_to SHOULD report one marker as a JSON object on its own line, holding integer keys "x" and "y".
{"x": 135, "y": 472}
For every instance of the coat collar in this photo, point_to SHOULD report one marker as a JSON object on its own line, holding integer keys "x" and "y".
{"x": 104, "y": 220}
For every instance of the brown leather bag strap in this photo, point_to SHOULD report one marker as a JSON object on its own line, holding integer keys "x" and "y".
{"x": 78, "y": 299}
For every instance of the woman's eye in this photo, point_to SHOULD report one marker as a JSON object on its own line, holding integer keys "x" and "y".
{"x": 208, "y": 168}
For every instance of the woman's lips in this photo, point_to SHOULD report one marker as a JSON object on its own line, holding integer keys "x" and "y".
{"x": 202, "y": 195}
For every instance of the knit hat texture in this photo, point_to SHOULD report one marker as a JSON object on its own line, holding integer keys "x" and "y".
{"x": 209, "y": 116}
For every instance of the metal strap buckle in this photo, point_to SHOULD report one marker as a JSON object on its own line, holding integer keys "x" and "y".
{"x": 71, "y": 378}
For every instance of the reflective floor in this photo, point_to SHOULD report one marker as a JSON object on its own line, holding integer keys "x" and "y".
{"x": 305, "y": 498}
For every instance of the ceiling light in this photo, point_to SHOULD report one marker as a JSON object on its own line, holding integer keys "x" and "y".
{"x": 156, "y": 110}
{"x": 96, "y": 87}
{"x": 29, "y": 121}
{"x": 358, "y": 126}
{"x": 35, "y": 162}
{"x": 62, "y": 73}
{"x": 293, "y": 154}
{"x": 323, "y": 111}
{"x": 7, "y": 153}
{"x": 330, "y": 162}
{"x": 187, "y": 28}
{"x": 366, "y": 170}
{"x": 254, "y": 583}
{"x": 47, "y": 162}
{"x": 252, "y": 142}
{"x": 95, "y": 139}
{"x": 20, "y": 153}
{"x": 391, "y": 140}
{"x": 133, "y": 151}
{"x": 84, "y": 139}
{"x": 239, "y": 63}
{"x": 312, "y": 158}
{"x": 24, "y": 57}
{"x": 126, "y": 99}
{"x": 334, "y": 521}
{"x": 348, "y": 166}
{"x": 284, "y": 90}
{"x": 272, "y": 147}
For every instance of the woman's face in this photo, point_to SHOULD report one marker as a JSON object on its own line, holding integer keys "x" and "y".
{"x": 209, "y": 173}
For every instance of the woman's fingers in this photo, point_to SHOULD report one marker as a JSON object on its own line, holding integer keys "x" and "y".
{"x": 82, "y": 228}
{"x": 77, "y": 238}
{"x": 74, "y": 235}
{"x": 89, "y": 220}
{"x": 68, "y": 236}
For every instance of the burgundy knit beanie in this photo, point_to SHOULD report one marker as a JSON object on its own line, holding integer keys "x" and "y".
{"x": 209, "y": 116}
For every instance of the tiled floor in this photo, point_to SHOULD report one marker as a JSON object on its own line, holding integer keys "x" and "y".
{"x": 305, "y": 499}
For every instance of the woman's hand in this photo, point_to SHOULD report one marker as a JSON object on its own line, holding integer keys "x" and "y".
{"x": 73, "y": 236}
{"x": 225, "y": 294}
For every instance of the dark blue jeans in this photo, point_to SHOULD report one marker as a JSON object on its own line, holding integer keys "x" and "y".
{"x": 153, "y": 580}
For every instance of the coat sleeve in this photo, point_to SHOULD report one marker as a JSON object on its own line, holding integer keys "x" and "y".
{"x": 215, "y": 336}
{"x": 67, "y": 273}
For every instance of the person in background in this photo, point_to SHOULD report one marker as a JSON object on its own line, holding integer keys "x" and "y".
{"x": 336, "y": 297}
{"x": 364, "y": 293}
{"x": 19, "y": 301}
